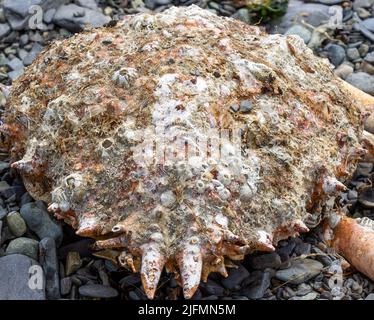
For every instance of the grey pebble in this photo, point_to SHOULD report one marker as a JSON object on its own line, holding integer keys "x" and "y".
{"x": 97, "y": 291}
{"x": 235, "y": 277}
{"x": 300, "y": 271}
{"x": 39, "y": 221}
{"x": 362, "y": 81}
{"x": 48, "y": 260}
{"x": 65, "y": 285}
{"x": 335, "y": 53}
{"x": 259, "y": 282}
{"x": 267, "y": 260}
{"x": 16, "y": 223}
{"x": 26, "y": 246}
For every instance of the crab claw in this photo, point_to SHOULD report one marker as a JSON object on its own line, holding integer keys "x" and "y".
{"x": 190, "y": 266}
{"x": 300, "y": 226}
{"x": 264, "y": 242}
{"x": 354, "y": 240}
{"x": 24, "y": 166}
{"x": 331, "y": 185}
{"x": 151, "y": 268}
{"x": 119, "y": 242}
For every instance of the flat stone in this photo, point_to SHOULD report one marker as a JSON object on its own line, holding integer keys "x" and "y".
{"x": 353, "y": 54}
{"x": 309, "y": 296}
{"x": 73, "y": 262}
{"x": 4, "y": 30}
{"x": 370, "y": 296}
{"x": 259, "y": 283}
{"x": 90, "y": 4}
{"x": 300, "y": 271}
{"x": 267, "y": 260}
{"x": 34, "y": 52}
{"x": 65, "y": 285}
{"x": 14, "y": 75}
{"x": 17, "y": 12}
{"x": 16, "y": 223}
{"x": 300, "y": 31}
{"x": 39, "y": 221}
{"x": 312, "y": 13}
{"x": 74, "y": 18}
{"x": 235, "y": 277}
{"x": 97, "y": 291}
{"x": 344, "y": 70}
{"x": 48, "y": 260}
{"x": 362, "y": 81}
{"x": 335, "y": 53}
{"x": 369, "y": 24}
{"x": 26, "y": 246}
{"x": 243, "y": 15}
{"x": 15, "y": 278}
{"x": 48, "y": 15}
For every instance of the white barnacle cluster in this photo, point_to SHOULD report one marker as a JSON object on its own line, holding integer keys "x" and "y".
{"x": 124, "y": 77}
{"x": 70, "y": 191}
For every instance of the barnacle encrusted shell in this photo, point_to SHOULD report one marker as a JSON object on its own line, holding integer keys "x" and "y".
{"x": 182, "y": 139}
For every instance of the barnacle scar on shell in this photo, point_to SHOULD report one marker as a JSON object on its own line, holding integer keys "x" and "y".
{"x": 183, "y": 140}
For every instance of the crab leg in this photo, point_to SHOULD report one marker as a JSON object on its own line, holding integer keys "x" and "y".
{"x": 354, "y": 240}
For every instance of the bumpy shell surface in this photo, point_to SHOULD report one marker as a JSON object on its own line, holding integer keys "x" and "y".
{"x": 182, "y": 139}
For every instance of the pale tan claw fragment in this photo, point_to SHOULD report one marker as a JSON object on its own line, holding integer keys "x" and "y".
{"x": 151, "y": 268}
{"x": 190, "y": 266}
{"x": 354, "y": 242}
{"x": 365, "y": 101}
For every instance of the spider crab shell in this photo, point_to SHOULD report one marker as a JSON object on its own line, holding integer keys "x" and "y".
{"x": 182, "y": 139}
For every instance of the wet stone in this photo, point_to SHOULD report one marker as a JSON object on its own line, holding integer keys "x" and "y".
{"x": 235, "y": 278}
{"x": 300, "y": 271}
{"x": 25, "y": 246}
{"x": 49, "y": 262}
{"x": 97, "y": 291}
{"x": 257, "y": 285}
{"x": 73, "y": 262}
{"x": 263, "y": 261}
{"x": 65, "y": 285}
{"x": 16, "y": 223}
{"x": 15, "y": 277}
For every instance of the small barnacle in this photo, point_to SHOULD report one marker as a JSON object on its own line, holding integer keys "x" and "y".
{"x": 168, "y": 199}
{"x": 224, "y": 193}
{"x": 200, "y": 186}
{"x": 124, "y": 77}
{"x": 224, "y": 177}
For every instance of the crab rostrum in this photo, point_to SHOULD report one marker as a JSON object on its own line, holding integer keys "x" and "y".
{"x": 183, "y": 140}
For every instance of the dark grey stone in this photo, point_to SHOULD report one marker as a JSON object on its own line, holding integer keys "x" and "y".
{"x": 300, "y": 271}
{"x": 362, "y": 81}
{"x": 14, "y": 75}
{"x": 4, "y": 30}
{"x": 26, "y": 246}
{"x": 49, "y": 262}
{"x": 74, "y": 18}
{"x": 97, "y": 291}
{"x": 235, "y": 278}
{"x": 15, "y": 276}
{"x": 39, "y": 221}
{"x": 257, "y": 287}
{"x": 34, "y": 52}
{"x": 335, "y": 53}
{"x": 267, "y": 260}
{"x": 16, "y": 223}
{"x": 17, "y": 12}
